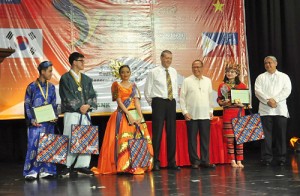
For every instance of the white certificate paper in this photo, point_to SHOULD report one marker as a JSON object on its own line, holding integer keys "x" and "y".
{"x": 243, "y": 96}
{"x": 44, "y": 113}
{"x": 134, "y": 113}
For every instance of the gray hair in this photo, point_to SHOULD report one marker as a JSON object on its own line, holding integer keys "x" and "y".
{"x": 271, "y": 57}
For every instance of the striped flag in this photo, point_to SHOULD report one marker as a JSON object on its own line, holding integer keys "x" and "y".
{"x": 219, "y": 44}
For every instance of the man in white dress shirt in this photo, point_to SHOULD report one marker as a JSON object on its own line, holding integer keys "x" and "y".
{"x": 272, "y": 88}
{"x": 161, "y": 93}
{"x": 197, "y": 108}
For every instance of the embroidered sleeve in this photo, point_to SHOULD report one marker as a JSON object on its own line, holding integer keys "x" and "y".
{"x": 28, "y": 105}
{"x": 115, "y": 91}
{"x": 69, "y": 101}
{"x": 91, "y": 95}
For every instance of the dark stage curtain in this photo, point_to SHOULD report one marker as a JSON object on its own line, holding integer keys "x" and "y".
{"x": 273, "y": 28}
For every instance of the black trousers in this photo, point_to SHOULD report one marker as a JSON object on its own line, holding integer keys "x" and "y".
{"x": 203, "y": 128}
{"x": 164, "y": 110}
{"x": 274, "y": 126}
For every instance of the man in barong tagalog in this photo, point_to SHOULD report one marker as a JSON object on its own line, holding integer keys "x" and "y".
{"x": 197, "y": 109}
{"x": 78, "y": 98}
{"x": 272, "y": 88}
{"x": 39, "y": 93}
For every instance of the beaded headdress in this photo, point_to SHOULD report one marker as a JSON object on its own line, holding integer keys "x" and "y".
{"x": 235, "y": 67}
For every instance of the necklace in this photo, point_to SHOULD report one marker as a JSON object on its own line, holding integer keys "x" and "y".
{"x": 77, "y": 82}
{"x": 231, "y": 84}
{"x": 42, "y": 91}
{"x": 125, "y": 84}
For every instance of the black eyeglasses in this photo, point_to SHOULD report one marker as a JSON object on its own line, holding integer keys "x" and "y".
{"x": 80, "y": 60}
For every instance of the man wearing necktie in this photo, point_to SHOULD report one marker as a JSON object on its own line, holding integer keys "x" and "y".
{"x": 160, "y": 93}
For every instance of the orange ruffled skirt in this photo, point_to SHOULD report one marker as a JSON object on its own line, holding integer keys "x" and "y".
{"x": 106, "y": 161}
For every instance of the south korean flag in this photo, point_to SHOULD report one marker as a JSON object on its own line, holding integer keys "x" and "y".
{"x": 28, "y": 43}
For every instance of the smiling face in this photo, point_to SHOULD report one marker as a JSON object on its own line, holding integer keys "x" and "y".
{"x": 125, "y": 73}
{"x": 270, "y": 65}
{"x": 166, "y": 60}
{"x": 197, "y": 69}
{"x": 231, "y": 74}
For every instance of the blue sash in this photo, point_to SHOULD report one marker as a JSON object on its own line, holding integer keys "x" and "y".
{"x": 119, "y": 118}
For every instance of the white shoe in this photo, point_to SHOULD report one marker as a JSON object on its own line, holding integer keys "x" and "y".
{"x": 31, "y": 176}
{"x": 45, "y": 174}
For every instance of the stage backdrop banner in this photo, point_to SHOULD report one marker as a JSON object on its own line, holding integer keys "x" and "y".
{"x": 113, "y": 32}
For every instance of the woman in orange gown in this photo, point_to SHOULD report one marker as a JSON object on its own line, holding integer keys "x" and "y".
{"x": 114, "y": 156}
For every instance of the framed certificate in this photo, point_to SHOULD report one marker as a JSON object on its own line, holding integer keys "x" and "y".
{"x": 44, "y": 113}
{"x": 241, "y": 96}
{"x": 135, "y": 116}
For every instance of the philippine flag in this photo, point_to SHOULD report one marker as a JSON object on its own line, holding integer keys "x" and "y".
{"x": 28, "y": 43}
{"x": 219, "y": 44}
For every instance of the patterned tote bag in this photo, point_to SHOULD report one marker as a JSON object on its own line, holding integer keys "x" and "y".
{"x": 84, "y": 138}
{"x": 138, "y": 148}
{"x": 52, "y": 148}
{"x": 247, "y": 128}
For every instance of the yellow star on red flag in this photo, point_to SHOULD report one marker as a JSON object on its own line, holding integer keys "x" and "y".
{"x": 218, "y": 6}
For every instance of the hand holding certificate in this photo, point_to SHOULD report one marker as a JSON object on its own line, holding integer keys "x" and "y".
{"x": 240, "y": 96}
{"x": 44, "y": 113}
{"x": 135, "y": 116}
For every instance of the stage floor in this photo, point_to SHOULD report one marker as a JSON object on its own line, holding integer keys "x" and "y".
{"x": 254, "y": 179}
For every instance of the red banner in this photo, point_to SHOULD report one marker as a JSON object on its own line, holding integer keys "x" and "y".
{"x": 131, "y": 32}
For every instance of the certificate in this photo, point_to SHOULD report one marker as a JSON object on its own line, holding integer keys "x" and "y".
{"x": 44, "y": 113}
{"x": 240, "y": 96}
{"x": 135, "y": 115}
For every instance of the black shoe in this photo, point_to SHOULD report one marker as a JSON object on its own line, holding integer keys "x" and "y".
{"x": 65, "y": 172}
{"x": 207, "y": 165}
{"x": 195, "y": 166}
{"x": 174, "y": 167}
{"x": 156, "y": 168}
{"x": 85, "y": 171}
